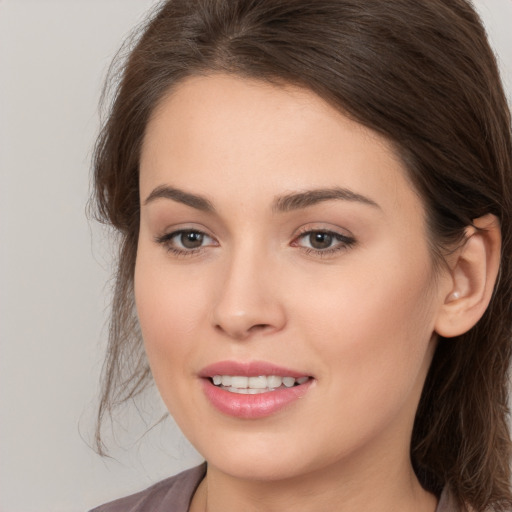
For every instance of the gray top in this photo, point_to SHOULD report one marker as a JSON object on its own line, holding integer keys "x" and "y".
{"x": 170, "y": 495}
{"x": 174, "y": 495}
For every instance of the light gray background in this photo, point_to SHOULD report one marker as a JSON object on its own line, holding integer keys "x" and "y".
{"x": 54, "y": 264}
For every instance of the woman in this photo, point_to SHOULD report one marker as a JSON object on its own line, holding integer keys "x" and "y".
{"x": 314, "y": 200}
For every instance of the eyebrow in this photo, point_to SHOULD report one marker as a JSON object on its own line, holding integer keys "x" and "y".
{"x": 180, "y": 196}
{"x": 286, "y": 203}
{"x": 300, "y": 200}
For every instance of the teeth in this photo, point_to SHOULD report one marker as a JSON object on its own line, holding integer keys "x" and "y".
{"x": 244, "y": 391}
{"x": 254, "y": 385}
{"x": 273, "y": 381}
{"x": 288, "y": 381}
{"x": 238, "y": 382}
{"x": 258, "y": 382}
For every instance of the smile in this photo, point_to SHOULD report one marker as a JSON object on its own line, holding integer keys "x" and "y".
{"x": 256, "y": 385}
{"x": 253, "y": 389}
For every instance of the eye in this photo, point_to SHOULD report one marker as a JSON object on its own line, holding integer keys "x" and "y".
{"x": 319, "y": 240}
{"x": 189, "y": 239}
{"x": 185, "y": 241}
{"x": 323, "y": 241}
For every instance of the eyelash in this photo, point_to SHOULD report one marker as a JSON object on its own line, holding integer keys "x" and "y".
{"x": 166, "y": 241}
{"x": 343, "y": 242}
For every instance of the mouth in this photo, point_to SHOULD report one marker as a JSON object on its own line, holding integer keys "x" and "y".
{"x": 256, "y": 385}
{"x": 253, "y": 390}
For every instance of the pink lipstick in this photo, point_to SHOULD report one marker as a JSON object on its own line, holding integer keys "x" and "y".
{"x": 252, "y": 390}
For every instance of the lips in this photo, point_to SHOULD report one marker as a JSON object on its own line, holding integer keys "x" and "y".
{"x": 250, "y": 369}
{"x": 252, "y": 390}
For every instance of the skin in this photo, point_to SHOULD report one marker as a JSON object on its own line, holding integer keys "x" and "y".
{"x": 360, "y": 320}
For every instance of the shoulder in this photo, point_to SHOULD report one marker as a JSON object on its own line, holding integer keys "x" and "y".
{"x": 174, "y": 492}
{"x": 448, "y": 503}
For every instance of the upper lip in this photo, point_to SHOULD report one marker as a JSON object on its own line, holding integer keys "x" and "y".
{"x": 249, "y": 369}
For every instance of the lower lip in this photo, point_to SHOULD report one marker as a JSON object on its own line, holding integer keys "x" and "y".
{"x": 253, "y": 406}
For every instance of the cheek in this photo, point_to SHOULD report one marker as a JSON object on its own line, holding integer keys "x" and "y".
{"x": 371, "y": 326}
{"x": 170, "y": 306}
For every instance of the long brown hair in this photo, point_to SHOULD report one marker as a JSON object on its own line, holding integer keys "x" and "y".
{"x": 419, "y": 72}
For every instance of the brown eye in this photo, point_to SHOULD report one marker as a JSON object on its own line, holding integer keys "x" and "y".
{"x": 191, "y": 239}
{"x": 323, "y": 242}
{"x": 186, "y": 241}
{"x": 319, "y": 240}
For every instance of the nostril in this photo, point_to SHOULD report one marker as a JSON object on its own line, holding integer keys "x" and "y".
{"x": 241, "y": 332}
{"x": 259, "y": 327}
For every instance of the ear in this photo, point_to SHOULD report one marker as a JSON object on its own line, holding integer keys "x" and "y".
{"x": 474, "y": 269}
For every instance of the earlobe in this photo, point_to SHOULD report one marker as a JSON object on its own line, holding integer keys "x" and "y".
{"x": 473, "y": 273}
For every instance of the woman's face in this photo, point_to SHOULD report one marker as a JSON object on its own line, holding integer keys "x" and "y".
{"x": 280, "y": 239}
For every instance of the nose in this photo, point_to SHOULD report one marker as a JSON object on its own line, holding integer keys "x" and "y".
{"x": 248, "y": 299}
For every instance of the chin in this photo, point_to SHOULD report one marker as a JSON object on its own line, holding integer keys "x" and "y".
{"x": 259, "y": 458}
{"x": 256, "y": 470}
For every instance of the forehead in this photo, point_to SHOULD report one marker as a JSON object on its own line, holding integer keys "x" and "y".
{"x": 226, "y": 135}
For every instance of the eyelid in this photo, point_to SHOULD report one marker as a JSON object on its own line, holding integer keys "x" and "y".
{"x": 166, "y": 240}
{"x": 319, "y": 227}
{"x": 344, "y": 240}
